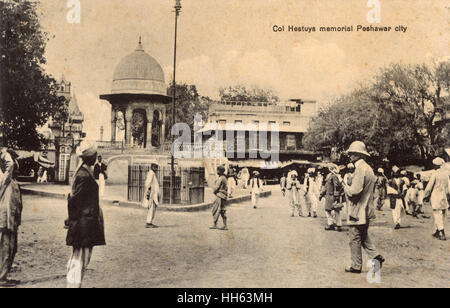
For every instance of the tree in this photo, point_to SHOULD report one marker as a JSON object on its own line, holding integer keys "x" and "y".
{"x": 27, "y": 94}
{"x": 240, "y": 93}
{"x": 337, "y": 125}
{"x": 419, "y": 94}
{"x": 401, "y": 115}
{"x": 188, "y": 103}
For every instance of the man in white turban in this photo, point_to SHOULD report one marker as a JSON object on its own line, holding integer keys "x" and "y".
{"x": 438, "y": 188}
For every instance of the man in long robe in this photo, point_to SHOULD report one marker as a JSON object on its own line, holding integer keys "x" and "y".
{"x": 152, "y": 195}
{"x": 10, "y": 214}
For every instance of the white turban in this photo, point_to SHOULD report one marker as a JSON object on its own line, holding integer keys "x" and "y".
{"x": 438, "y": 161}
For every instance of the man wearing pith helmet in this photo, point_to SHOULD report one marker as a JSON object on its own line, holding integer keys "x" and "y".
{"x": 361, "y": 210}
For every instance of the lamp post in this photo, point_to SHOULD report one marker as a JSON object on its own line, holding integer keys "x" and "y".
{"x": 172, "y": 161}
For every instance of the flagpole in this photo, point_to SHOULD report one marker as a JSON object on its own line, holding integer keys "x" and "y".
{"x": 172, "y": 161}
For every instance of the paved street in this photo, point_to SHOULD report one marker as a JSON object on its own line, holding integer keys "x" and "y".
{"x": 263, "y": 248}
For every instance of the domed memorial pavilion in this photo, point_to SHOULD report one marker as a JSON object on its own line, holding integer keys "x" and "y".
{"x": 138, "y": 101}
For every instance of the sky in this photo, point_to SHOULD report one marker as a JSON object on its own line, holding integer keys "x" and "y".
{"x": 228, "y": 42}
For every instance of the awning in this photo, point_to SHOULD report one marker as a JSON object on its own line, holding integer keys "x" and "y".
{"x": 44, "y": 162}
{"x": 303, "y": 162}
{"x": 41, "y": 160}
{"x": 414, "y": 169}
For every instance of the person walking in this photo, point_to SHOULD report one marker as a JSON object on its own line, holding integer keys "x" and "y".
{"x": 312, "y": 192}
{"x": 361, "y": 211}
{"x": 406, "y": 185}
{"x": 293, "y": 189}
{"x": 395, "y": 192}
{"x": 221, "y": 193}
{"x": 10, "y": 214}
{"x": 244, "y": 177}
{"x": 152, "y": 196}
{"x": 380, "y": 189}
{"x": 42, "y": 175}
{"x": 231, "y": 181}
{"x": 283, "y": 182}
{"x": 420, "y": 195}
{"x": 438, "y": 191}
{"x": 333, "y": 199}
{"x": 256, "y": 185}
{"x": 100, "y": 175}
{"x": 85, "y": 222}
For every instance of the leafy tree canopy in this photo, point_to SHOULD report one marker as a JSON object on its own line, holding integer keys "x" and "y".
{"x": 401, "y": 114}
{"x": 240, "y": 93}
{"x": 188, "y": 103}
{"x": 27, "y": 94}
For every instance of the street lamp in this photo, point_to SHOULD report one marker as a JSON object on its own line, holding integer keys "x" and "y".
{"x": 172, "y": 162}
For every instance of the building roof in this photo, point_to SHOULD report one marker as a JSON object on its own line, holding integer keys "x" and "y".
{"x": 73, "y": 107}
{"x": 212, "y": 126}
{"x": 139, "y": 73}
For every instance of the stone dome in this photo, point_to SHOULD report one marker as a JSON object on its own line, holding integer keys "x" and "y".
{"x": 139, "y": 73}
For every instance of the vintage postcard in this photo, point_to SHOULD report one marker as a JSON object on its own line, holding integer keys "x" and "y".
{"x": 204, "y": 144}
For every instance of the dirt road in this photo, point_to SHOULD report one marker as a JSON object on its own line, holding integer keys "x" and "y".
{"x": 263, "y": 248}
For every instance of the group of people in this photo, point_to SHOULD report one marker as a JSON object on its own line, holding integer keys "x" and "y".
{"x": 305, "y": 194}
{"x": 357, "y": 188}
{"x": 221, "y": 190}
{"x": 236, "y": 178}
{"x": 361, "y": 191}
{"x": 406, "y": 196}
{"x": 351, "y": 187}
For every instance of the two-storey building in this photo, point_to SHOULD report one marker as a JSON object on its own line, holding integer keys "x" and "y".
{"x": 249, "y": 122}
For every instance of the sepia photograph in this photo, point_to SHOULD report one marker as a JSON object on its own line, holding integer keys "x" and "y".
{"x": 206, "y": 146}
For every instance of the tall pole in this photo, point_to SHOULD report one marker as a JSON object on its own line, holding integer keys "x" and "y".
{"x": 172, "y": 161}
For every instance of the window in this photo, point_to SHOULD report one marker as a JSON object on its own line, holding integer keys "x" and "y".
{"x": 291, "y": 143}
{"x": 222, "y": 122}
{"x": 272, "y": 122}
{"x": 255, "y": 122}
{"x": 63, "y": 160}
{"x": 287, "y": 123}
{"x": 237, "y": 121}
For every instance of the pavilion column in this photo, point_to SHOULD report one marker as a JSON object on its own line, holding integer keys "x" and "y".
{"x": 113, "y": 124}
{"x": 163, "y": 124}
{"x": 149, "y": 112}
{"x": 128, "y": 118}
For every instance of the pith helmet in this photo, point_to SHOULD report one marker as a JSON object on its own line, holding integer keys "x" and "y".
{"x": 358, "y": 147}
{"x": 438, "y": 161}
